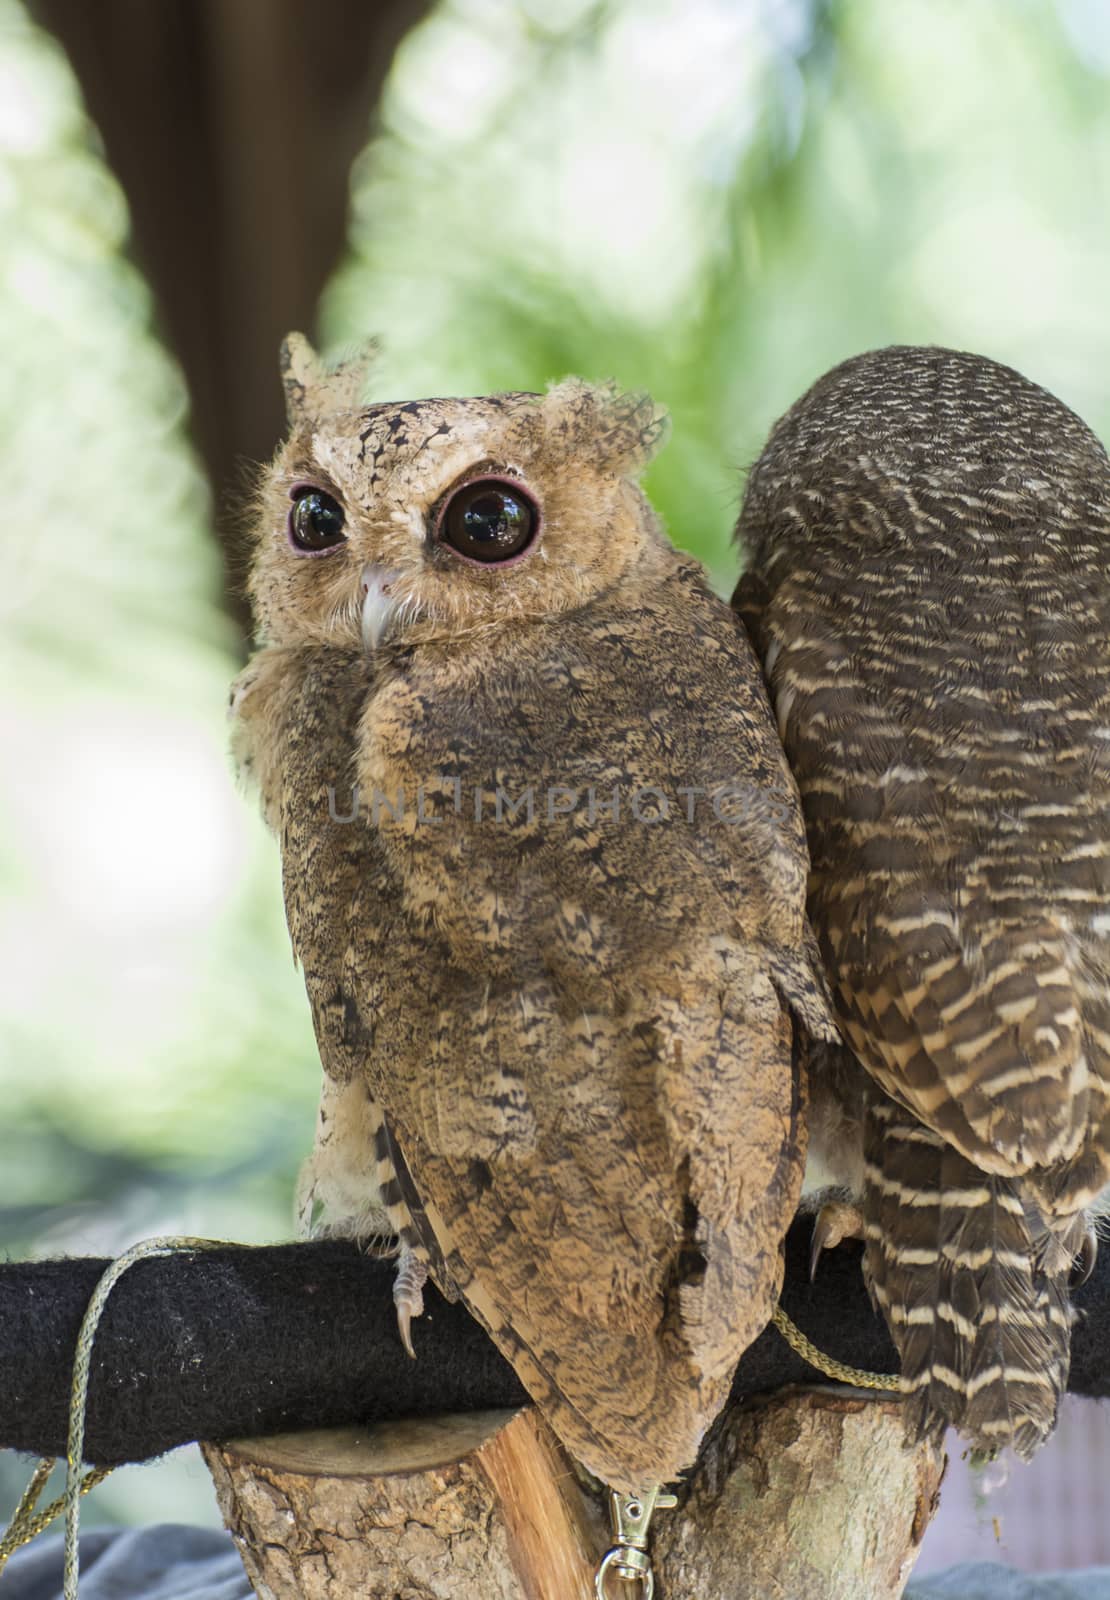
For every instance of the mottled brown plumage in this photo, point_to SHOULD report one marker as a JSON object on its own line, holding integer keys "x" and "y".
{"x": 560, "y": 1048}
{"x": 928, "y": 540}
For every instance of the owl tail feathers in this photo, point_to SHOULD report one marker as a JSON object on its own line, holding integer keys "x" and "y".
{"x": 976, "y": 1305}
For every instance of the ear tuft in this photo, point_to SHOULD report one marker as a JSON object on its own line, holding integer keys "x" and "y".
{"x": 300, "y": 374}
{"x": 314, "y": 389}
{"x": 622, "y": 429}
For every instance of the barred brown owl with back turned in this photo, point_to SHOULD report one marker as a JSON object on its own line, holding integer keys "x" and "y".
{"x": 560, "y": 1035}
{"x": 928, "y": 538}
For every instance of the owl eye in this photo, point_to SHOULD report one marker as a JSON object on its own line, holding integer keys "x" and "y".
{"x": 315, "y": 521}
{"x": 489, "y": 520}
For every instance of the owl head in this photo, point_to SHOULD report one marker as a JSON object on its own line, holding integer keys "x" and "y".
{"x": 429, "y": 519}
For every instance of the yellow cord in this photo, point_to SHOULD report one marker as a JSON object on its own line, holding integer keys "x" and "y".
{"x": 26, "y": 1526}
{"x": 859, "y": 1379}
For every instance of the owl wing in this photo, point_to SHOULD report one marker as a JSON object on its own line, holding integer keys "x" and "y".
{"x": 962, "y": 988}
{"x": 958, "y": 876}
{"x": 599, "y": 1100}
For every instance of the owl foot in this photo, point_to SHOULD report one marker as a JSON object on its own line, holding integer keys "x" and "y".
{"x": 408, "y": 1293}
{"x": 836, "y": 1221}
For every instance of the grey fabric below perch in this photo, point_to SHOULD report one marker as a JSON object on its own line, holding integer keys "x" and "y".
{"x": 173, "y": 1562}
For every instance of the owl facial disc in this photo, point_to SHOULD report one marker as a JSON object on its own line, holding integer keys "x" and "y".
{"x": 378, "y": 605}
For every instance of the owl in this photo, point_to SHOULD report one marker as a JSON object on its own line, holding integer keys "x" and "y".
{"x": 928, "y": 538}
{"x": 544, "y": 870}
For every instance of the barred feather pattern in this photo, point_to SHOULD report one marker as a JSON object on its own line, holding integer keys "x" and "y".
{"x": 972, "y": 1286}
{"x": 404, "y": 1206}
{"x": 928, "y": 541}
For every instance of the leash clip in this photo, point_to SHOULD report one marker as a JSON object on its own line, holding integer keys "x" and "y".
{"x": 627, "y": 1559}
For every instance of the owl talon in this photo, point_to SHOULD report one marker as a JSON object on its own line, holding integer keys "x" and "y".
{"x": 1084, "y": 1263}
{"x": 408, "y": 1294}
{"x": 835, "y": 1222}
{"x": 404, "y": 1323}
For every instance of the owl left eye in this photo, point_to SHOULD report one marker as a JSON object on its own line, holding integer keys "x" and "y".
{"x": 316, "y": 521}
{"x": 489, "y": 520}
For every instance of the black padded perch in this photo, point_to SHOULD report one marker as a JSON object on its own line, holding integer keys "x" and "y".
{"x": 240, "y": 1342}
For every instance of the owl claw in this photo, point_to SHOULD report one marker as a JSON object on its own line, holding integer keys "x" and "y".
{"x": 408, "y": 1295}
{"x": 1084, "y": 1263}
{"x": 835, "y": 1222}
{"x": 404, "y": 1324}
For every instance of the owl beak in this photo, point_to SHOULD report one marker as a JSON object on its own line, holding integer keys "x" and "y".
{"x": 378, "y": 605}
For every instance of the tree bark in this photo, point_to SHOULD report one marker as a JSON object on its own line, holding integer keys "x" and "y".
{"x": 807, "y": 1495}
{"x": 476, "y": 1507}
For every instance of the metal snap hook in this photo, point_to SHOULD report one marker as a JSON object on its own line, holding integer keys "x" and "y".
{"x": 628, "y": 1560}
{"x": 615, "y": 1561}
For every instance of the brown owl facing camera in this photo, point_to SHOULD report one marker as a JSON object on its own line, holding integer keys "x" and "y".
{"x": 545, "y": 873}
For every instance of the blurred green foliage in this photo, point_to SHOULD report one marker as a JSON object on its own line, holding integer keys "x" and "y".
{"x": 156, "y": 1064}
{"x": 719, "y": 200}
{"x": 714, "y": 200}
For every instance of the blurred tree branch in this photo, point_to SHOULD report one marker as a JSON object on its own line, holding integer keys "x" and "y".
{"x": 232, "y": 129}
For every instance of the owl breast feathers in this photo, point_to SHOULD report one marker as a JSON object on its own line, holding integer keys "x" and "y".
{"x": 928, "y": 539}
{"x": 545, "y": 871}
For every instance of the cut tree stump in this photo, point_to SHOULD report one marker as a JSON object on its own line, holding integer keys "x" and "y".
{"x": 807, "y": 1495}
{"x": 803, "y": 1495}
{"x": 470, "y": 1506}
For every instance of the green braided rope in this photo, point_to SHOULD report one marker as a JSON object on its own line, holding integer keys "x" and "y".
{"x": 25, "y": 1524}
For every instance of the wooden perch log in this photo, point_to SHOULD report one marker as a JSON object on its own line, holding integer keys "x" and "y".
{"x": 808, "y": 1495}
{"x": 805, "y": 1495}
{"x": 476, "y": 1506}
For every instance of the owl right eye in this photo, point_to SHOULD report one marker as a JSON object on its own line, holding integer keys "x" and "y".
{"x": 316, "y": 521}
{"x": 490, "y": 520}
